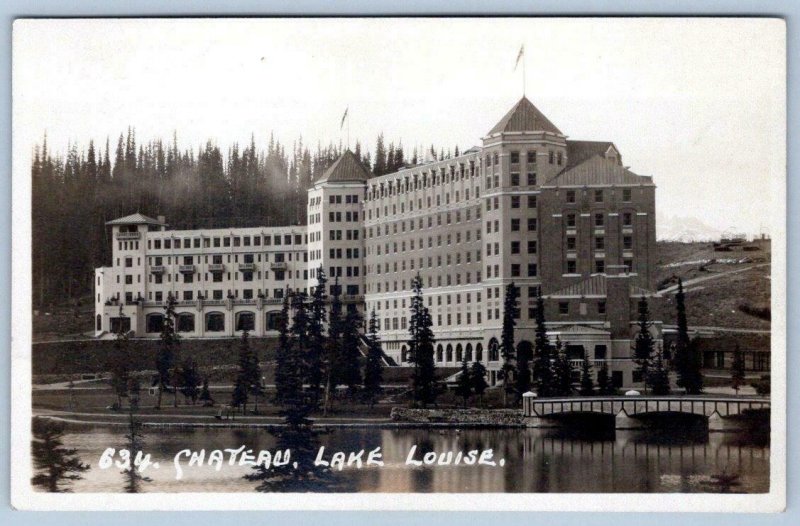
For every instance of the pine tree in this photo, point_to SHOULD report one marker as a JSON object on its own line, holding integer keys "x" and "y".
{"x": 283, "y": 375}
{"x": 737, "y": 369}
{"x": 351, "y": 337}
{"x": 190, "y": 379}
{"x": 334, "y": 344}
{"x": 510, "y": 315}
{"x": 249, "y": 374}
{"x": 477, "y": 376}
{"x": 239, "y": 394}
{"x": 296, "y": 404}
{"x": 543, "y": 355}
{"x": 57, "y": 467}
{"x": 687, "y": 359}
{"x": 604, "y": 385}
{"x": 644, "y": 344}
{"x": 464, "y": 385}
{"x": 421, "y": 348}
{"x": 167, "y": 358}
{"x": 587, "y": 384}
{"x": 373, "y": 370}
{"x": 118, "y": 363}
{"x": 658, "y": 375}
{"x": 318, "y": 360}
{"x": 205, "y": 393}
{"x": 562, "y": 371}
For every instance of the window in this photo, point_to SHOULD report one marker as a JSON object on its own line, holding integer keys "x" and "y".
{"x": 155, "y": 322}
{"x": 532, "y": 270}
{"x": 215, "y": 321}
{"x": 514, "y": 201}
{"x": 550, "y": 157}
{"x": 599, "y": 266}
{"x": 563, "y": 307}
{"x": 532, "y": 247}
{"x": 560, "y": 157}
{"x": 531, "y": 223}
{"x": 627, "y": 219}
{"x": 627, "y": 242}
{"x": 571, "y": 220}
{"x": 531, "y": 201}
{"x": 571, "y": 267}
{"x": 626, "y": 195}
{"x": 515, "y": 270}
{"x": 185, "y": 322}
{"x": 245, "y": 321}
{"x": 515, "y": 225}
{"x": 570, "y": 243}
{"x": 514, "y": 179}
{"x": 532, "y": 156}
{"x": 515, "y": 247}
{"x": 599, "y": 220}
{"x": 531, "y": 179}
{"x": 598, "y": 196}
{"x": 570, "y": 196}
{"x": 601, "y": 307}
{"x": 599, "y": 243}
{"x": 514, "y": 157}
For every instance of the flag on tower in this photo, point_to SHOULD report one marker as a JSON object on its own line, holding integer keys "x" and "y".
{"x": 519, "y": 56}
{"x": 344, "y": 117}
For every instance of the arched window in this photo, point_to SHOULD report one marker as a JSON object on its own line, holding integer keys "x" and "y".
{"x": 215, "y": 322}
{"x": 459, "y": 353}
{"x": 403, "y": 357}
{"x": 469, "y": 352}
{"x": 273, "y": 320}
{"x": 449, "y": 353}
{"x": 479, "y": 352}
{"x": 155, "y": 322}
{"x": 245, "y": 321}
{"x": 99, "y": 322}
{"x": 120, "y": 324}
{"x": 494, "y": 350}
{"x": 185, "y": 322}
{"x": 439, "y": 353}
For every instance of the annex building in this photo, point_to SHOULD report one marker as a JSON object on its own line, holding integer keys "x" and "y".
{"x": 557, "y": 217}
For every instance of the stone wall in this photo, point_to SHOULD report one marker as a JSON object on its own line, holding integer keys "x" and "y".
{"x": 470, "y": 417}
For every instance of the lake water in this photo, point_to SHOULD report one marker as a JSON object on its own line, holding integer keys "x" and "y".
{"x": 535, "y": 460}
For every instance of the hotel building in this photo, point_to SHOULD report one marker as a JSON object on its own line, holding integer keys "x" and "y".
{"x": 557, "y": 217}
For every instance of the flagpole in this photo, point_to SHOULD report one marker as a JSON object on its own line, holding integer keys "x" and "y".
{"x": 523, "y": 73}
{"x": 348, "y": 128}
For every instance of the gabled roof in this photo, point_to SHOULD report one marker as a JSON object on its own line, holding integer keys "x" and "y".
{"x": 579, "y": 151}
{"x": 524, "y": 116}
{"x": 597, "y": 170}
{"x": 347, "y": 168}
{"x": 135, "y": 219}
{"x": 596, "y": 286}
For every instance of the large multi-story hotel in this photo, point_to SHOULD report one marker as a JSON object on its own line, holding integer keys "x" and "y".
{"x": 557, "y": 217}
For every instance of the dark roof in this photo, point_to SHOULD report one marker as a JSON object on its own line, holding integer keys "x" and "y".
{"x": 579, "y": 151}
{"x": 596, "y": 286}
{"x": 597, "y": 170}
{"x": 524, "y": 116}
{"x": 135, "y": 219}
{"x": 347, "y": 168}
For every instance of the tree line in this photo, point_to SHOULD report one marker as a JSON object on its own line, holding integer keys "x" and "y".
{"x": 76, "y": 193}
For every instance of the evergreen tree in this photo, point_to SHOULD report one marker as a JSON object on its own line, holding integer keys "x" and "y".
{"x": 190, "y": 379}
{"x": 478, "y": 380}
{"x": 205, "y": 393}
{"x": 239, "y": 394}
{"x": 283, "y": 374}
{"x": 644, "y": 344}
{"x": 296, "y": 405}
{"x": 118, "y": 363}
{"x": 464, "y": 385}
{"x": 510, "y": 315}
{"x": 604, "y": 385}
{"x": 318, "y": 360}
{"x": 380, "y": 168}
{"x": 563, "y": 371}
{"x": 737, "y": 369}
{"x": 587, "y": 384}
{"x": 57, "y": 467}
{"x": 421, "y": 348}
{"x": 135, "y": 445}
{"x": 658, "y": 375}
{"x": 350, "y": 368}
{"x": 249, "y": 374}
{"x": 373, "y": 370}
{"x": 167, "y": 358}
{"x": 334, "y": 344}
{"x": 543, "y": 355}
{"x": 686, "y": 358}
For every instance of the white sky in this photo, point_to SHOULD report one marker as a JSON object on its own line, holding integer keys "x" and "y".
{"x": 697, "y": 103}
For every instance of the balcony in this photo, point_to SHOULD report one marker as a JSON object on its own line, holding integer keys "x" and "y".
{"x": 278, "y": 265}
{"x": 186, "y": 269}
{"x": 126, "y": 236}
{"x": 158, "y": 269}
{"x": 247, "y": 267}
{"x": 216, "y": 267}
{"x": 353, "y": 298}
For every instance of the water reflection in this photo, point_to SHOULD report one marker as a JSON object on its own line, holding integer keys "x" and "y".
{"x": 536, "y": 460}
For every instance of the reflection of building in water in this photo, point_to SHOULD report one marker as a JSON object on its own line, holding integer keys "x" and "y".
{"x": 528, "y": 206}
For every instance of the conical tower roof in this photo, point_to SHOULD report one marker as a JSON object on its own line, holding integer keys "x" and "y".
{"x": 524, "y": 117}
{"x": 347, "y": 168}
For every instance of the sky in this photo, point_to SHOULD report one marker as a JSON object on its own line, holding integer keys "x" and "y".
{"x": 699, "y": 104}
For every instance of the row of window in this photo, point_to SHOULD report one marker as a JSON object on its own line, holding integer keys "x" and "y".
{"x": 599, "y": 219}
{"x": 429, "y": 200}
{"x": 627, "y": 195}
{"x": 226, "y": 241}
{"x": 447, "y": 240}
{"x": 441, "y": 218}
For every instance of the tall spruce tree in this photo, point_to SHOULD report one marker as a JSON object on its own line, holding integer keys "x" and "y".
{"x": 658, "y": 374}
{"x": 373, "y": 370}
{"x": 167, "y": 357}
{"x": 350, "y": 375}
{"x": 737, "y": 369}
{"x": 296, "y": 404}
{"x": 604, "y": 385}
{"x": 644, "y": 344}
{"x": 563, "y": 371}
{"x": 190, "y": 380}
{"x": 464, "y": 382}
{"x": 249, "y": 373}
{"x": 507, "y": 351}
{"x": 686, "y": 358}
{"x": 587, "y": 384}
{"x": 283, "y": 375}
{"x": 543, "y": 378}
{"x": 119, "y": 363}
{"x": 477, "y": 376}
{"x": 333, "y": 353}
{"x": 318, "y": 361}
{"x": 421, "y": 348}
{"x": 56, "y": 466}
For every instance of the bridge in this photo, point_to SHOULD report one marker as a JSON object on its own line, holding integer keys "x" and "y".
{"x": 629, "y": 412}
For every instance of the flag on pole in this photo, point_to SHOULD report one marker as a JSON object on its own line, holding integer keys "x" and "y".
{"x": 344, "y": 117}
{"x": 519, "y": 56}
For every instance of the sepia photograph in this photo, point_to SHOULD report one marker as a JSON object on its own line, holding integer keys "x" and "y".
{"x": 406, "y": 263}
